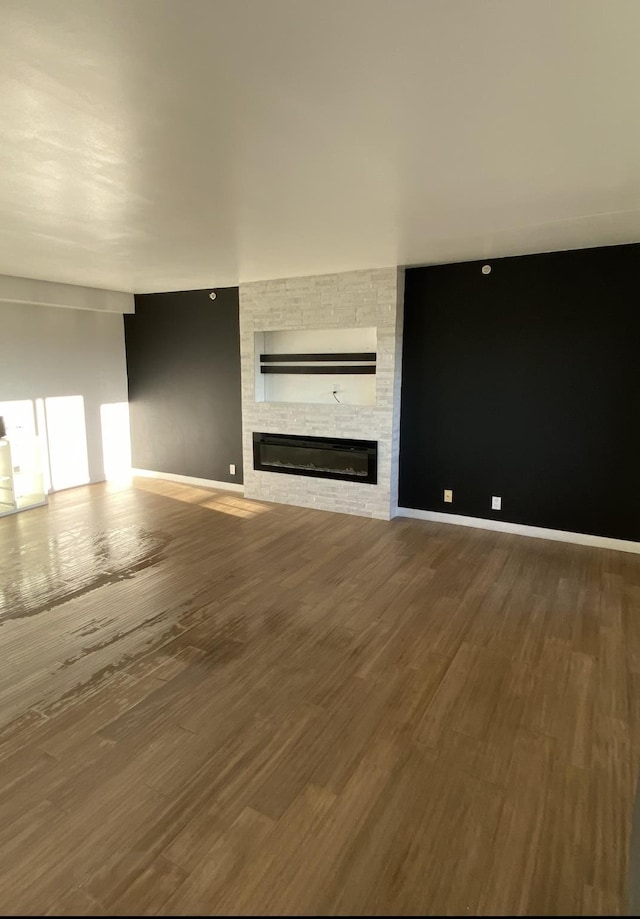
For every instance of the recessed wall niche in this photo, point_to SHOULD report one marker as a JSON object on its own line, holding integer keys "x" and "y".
{"x": 316, "y": 366}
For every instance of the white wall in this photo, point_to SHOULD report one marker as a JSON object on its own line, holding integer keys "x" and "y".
{"x": 48, "y": 352}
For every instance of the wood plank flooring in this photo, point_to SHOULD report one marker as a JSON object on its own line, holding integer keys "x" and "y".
{"x": 216, "y": 706}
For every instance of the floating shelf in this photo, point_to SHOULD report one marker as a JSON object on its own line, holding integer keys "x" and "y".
{"x": 368, "y": 356}
{"x": 333, "y": 368}
{"x": 319, "y": 362}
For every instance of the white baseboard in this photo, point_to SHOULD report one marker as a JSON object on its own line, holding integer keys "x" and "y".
{"x": 188, "y": 480}
{"x": 521, "y": 529}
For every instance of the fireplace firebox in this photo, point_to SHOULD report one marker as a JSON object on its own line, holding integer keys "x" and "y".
{"x": 321, "y": 457}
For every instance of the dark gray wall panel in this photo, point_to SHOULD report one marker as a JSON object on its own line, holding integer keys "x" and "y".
{"x": 525, "y": 383}
{"x": 183, "y": 364}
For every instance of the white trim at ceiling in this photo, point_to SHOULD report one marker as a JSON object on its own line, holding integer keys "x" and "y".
{"x": 69, "y": 296}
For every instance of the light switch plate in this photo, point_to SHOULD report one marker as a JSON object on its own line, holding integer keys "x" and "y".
{"x": 496, "y": 503}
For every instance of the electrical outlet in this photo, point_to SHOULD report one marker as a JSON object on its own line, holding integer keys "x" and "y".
{"x": 496, "y": 503}
{"x": 232, "y": 468}
{"x": 448, "y": 496}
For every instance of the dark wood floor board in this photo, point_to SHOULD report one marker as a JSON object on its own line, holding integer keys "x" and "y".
{"x": 223, "y": 706}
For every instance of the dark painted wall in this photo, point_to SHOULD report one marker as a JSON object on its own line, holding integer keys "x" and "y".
{"x": 183, "y": 362}
{"x": 525, "y": 383}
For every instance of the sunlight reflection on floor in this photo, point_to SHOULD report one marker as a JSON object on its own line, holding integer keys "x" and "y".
{"x": 214, "y": 500}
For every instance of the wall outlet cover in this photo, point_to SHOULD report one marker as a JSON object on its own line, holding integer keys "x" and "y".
{"x": 232, "y": 468}
{"x": 496, "y": 503}
{"x": 448, "y": 496}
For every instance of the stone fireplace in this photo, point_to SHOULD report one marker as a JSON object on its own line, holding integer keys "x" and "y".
{"x": 336, "y": 399}
{"x": 337, "y": 458}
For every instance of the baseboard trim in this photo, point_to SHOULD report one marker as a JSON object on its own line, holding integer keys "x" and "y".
{"x": 521, "y": 529}
{"x": 188, "y": 480}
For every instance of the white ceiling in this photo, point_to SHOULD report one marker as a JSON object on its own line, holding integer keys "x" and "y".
{"x": 168, "y": 144}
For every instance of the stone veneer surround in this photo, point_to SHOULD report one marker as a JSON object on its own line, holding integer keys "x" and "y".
{"x": 353, "y": 299}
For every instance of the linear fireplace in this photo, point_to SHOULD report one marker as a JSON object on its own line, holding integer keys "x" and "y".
{"x": 321, "y": 457}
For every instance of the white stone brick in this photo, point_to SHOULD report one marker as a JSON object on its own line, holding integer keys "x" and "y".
{"x": 327, "y": 301}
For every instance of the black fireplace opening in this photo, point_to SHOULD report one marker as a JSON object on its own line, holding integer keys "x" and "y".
{"x": 321, "y": 457}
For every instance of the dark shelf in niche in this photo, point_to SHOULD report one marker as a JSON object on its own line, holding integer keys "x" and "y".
{"x": 300, "y": 358}
{"x": 333, "y": 368}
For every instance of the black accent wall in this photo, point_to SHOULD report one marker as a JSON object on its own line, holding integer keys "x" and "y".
{"x": 525, "y": 383}
{"x": 183, "y": 363}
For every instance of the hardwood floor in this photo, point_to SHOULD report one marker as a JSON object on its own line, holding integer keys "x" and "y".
{"x": 212, "y": 705}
